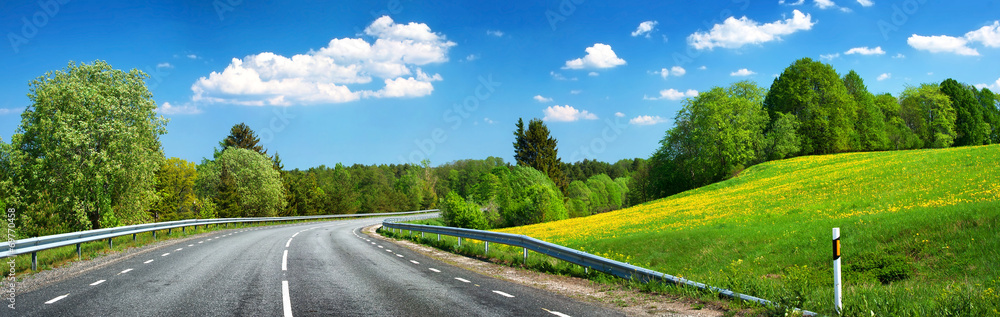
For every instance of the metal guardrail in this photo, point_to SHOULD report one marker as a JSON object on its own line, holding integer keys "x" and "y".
{"x": 587, "y": 260}
{"x": 33, "y": 245}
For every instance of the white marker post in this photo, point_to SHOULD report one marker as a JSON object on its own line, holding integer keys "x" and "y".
{"x": 838, "y": 305}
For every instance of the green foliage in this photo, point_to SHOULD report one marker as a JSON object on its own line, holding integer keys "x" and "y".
{"x": 815, "y": 94}
{"x": 243, "y": 184}
{"x": 990, "y": 104}
{"x": 536, "y": 148}
{"x": 175, "y": 188}
{"x": 458, "y": 212}
{"x": 881, "y": 267}
{"x": 870, "y": 125}
{"x": 929, "y": 114}
{"x": 86, "y": 152}
{"x": 241, "y": 136}
{"x": 970, "y": 125}
{"x": 783, "y": 139}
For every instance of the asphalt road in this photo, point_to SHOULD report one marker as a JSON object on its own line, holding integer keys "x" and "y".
{"x": 313, "y": 269}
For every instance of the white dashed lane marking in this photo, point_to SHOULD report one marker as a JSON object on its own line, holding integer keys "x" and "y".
{"x": 435, "y": 270}
{"x": 125, "y": 271}
{"x": 414, "y": 262}
{"x": 504, "y": 294}
{"x": 463, "y": 280}
{"x": 381, "y": 247}
{"x": 56, "y": 299}
{"x": 178, "y": 249}
{"x": 166, "y": 254}
{"x": 190, "y": 245}
{"x": 284, "y": 261}
{"x": 147, "y": 262}
{"x": 399, "y": 255}
{"x": 289, "y": 242}
{"x": 556, "y": 313}
{"x": 285, "y": 300}
{"x": 95, "y": 283}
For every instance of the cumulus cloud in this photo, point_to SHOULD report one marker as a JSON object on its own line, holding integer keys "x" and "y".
{"x": 899, "y": 55}
{"x": 825, "y": 4}
{"x": 471, "y": 57}
{"x": 566, "y": 114}
{"x": 187, "y": 108}
{"x": 539, "y": 98}
{"x": 164, "y": 65}
{"x": 743, "y": 72}
{"x": 942, "y": 44}
{"x": 323, "y": 76}
{"x": 593, "y": 74}
{"x": 800, "y": 2}
{"x": 619, "y": 114}
{"x": 884, "y": 76}
{"x": 988, "y": 35}
{"x": 575, "y": 92}
{"x": 647, "y": 120}
{"x": 676, "y": 71}
{"x": 865, "y": 51}
{"x": 496, "y": 33}
{"x": 598, "y": 56}
{"x": 645, "y": 28}
{"x": 994, "y": 87}
{"x": 866, "y": 3}
{"x": 673, "y": 94}
{"x": 734, "y": 33}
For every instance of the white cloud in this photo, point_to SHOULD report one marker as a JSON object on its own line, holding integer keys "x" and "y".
{"x": 645, "y": 28}
{"x": 995, "y": 87}
{"x": 865, "y": 51}
{"x": 899, "y": 55}
{"x": 322, "y": 76}
{"x": 566, "y": 114}
{"x": 988, "y": 35}
{"x": 187, "y": 108}
{"x": 558, "y": 76}
{"x": 673, "y": 94}
{"x": 164, "y": 65}
{"x": 829, "y": 57}
{"x": 487, "y": 120}
{"x": 678, "y": 71}
{"x": 647, "y": 120}
{"x": 619, "y": 114}
{"x": 884, "y": 76}
{"x": 743, "y": 72}
{"x": 541, "y": 99}
{"x": 593, "y": 74}
{"x": 866, "y": 3}
{"x": 471, "y": 57}
{"x": 703, "y": 67}
{"x": 598, "y": 56}
{"x": 6, "y": 111}
{"x": 734, "y": 33}
{"x": 942, "y": 44}
{"x": 496, "y": 33}
{"x": 825, "y": 4}
{"x": 192, "y": 56}
{"x": 797, "y": 3}
{"x": 575, "y": 92}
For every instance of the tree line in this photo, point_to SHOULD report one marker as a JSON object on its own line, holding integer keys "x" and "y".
{"x": 809, "y": 110}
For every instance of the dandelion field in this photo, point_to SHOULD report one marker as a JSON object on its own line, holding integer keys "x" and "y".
{"x": 919, "y": 232}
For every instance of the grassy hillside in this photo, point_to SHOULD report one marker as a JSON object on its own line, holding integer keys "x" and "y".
{"x": 919, "y": 229}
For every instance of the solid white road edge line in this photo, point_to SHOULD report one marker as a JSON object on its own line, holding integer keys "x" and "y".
{"x": 95, "y": 283}
{"x": 56, "y": 299}
{"x": 285, "y": 301}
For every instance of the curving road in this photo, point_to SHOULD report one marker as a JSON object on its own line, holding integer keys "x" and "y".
{"x": 312, "y": 269}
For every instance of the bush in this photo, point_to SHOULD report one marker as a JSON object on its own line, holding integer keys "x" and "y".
{"x": 885, "y": 268}
{"x": 464, "y": 214}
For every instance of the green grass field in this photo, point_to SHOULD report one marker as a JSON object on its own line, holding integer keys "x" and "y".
{"x": 919, "y": 230}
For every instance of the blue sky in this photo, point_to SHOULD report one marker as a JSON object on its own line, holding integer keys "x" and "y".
{"x": 375, "y": 82}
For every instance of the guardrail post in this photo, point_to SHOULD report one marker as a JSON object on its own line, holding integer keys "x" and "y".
{"x": 460, "y": 242}
{"x": 439, "y": 237}
{"x": 34, "y": 261}
{"x": 183, "y": 230}
{"x": 487, "y": 253}
{"x": 525, "y": 256}
{"x": 79, "y": 255}
{"x": 154, "y": 234}
{"x": 110, "y": 244}
{"x": 133, "y": 237}
{"x": 169, "y": 230}
{"x": 421, "y": 235}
